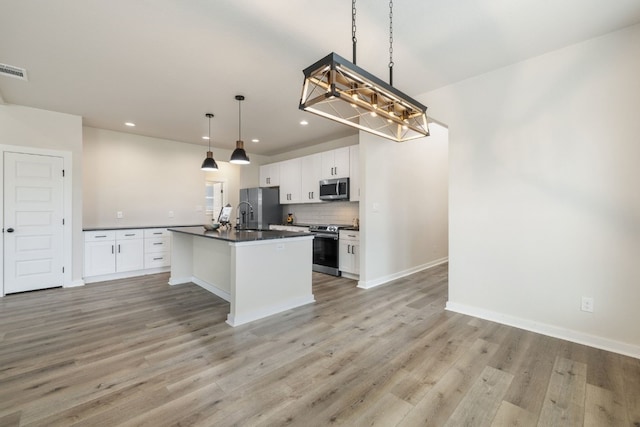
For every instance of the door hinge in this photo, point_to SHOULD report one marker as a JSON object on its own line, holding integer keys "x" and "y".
{"x": 63, "y": 173}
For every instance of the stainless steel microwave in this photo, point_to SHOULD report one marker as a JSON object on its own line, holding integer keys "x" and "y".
{"x": 334, "y": 189}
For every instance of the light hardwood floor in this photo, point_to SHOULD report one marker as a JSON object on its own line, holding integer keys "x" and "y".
{"x": 139, "y": 352}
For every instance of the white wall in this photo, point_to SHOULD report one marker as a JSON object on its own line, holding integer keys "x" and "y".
{"x": 544, "y": 204}
{"x": 30, "y": 127}
{"x": 145, "y": 178}
{"x": 403, "y": 205}
{"x": 318, "y": 148}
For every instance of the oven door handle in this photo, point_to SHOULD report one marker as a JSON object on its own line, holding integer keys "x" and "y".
{"x": 326, "y": 236}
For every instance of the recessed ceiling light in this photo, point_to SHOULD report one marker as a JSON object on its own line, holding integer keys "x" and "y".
{"x": 255, "y": 140}
{"x": 304, "y": 122}
{"x": 130, "y": 124}
{"x": 206, "y": 138}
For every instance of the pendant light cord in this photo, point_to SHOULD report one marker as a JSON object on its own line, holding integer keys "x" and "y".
{"x": 391, "y": 42}
{"x": 209, "y": 132}
{"x": 354, "y": 40}
{"x": 239, "y": 120}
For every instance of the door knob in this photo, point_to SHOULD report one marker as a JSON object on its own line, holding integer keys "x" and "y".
{"x": 9, "y": 230}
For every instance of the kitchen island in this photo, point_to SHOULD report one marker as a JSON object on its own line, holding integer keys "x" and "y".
{"x": 260, "y": 272}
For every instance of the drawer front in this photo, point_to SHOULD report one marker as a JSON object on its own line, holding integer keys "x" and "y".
{"x": 349, "y": 235}
{"x": 157, "y": 244}
{"x": 161, "y": 259}
{"x": 156, "y": 232}
{"x": 97, "y": 236}
{"x": 128, "y": 234}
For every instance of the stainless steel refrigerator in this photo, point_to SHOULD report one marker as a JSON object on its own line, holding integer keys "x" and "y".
{"x": 259, "y": 207}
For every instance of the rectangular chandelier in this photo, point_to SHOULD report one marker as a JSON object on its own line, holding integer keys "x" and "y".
{"x": 340, "y": 90}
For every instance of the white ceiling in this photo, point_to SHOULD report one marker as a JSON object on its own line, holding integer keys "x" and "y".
{"x": 164, "y": 63}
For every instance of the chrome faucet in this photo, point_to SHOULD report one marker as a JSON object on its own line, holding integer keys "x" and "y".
{"x": 244, "y": 219}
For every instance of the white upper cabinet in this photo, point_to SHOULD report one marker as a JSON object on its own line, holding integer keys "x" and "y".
{"x": 335, "y": 163}
{"x": 311, "y": 171}
{"x": 354, "y": 173}
{"x": 270, "y": 175}
{"x": 290, "y": 181}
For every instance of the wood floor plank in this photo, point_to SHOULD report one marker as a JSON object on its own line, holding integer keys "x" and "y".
{"x": 601, "y": 408}
{"x": 564, "y": 401}
{"x": 137, "y": 351}
{"x": 440, "y": 402}
{"x": 510, "y": 415}
{"x": 480, "y": 404}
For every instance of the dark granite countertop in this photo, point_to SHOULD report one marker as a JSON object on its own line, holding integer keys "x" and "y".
{"x": 237, "y": 236}
{"x": 139, "y": 227}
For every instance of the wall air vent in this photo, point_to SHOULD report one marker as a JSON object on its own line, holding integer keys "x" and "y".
{"x": 15, "y": 72}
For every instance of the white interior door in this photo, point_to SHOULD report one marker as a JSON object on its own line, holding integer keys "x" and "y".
{"x": 33, "y": 222}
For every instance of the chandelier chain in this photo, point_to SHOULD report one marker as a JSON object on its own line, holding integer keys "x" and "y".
{"x": 391, "y": 42}
{"x": 354, "y": 40}
{"x": 391, "y": 33}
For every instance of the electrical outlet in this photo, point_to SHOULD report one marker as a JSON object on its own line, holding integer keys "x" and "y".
{"x": 587, "y": 304}
{"x": 119, "y": 214}
{"x": 170, "y": 214}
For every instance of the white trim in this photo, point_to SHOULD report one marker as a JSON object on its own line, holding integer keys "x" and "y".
{"x": 350, "y": 275}
{"x": 179, "y": 280}
{"x": 125, "y": 274}
{"x": 546, "y": 329}
{"x": 75, "y": 284}
{"x": 67, "y": 206}
{"x": 385, "y": 279}
{"x": 270, "y": 310}
{"x": 212, "y": 288}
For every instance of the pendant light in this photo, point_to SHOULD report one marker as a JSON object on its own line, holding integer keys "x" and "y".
{"x": 340, "y": 90}
{"x": 209, "y": 163}
{"x": 239, "y": 156}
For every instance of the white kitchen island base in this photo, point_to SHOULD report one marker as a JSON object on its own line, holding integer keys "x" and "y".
{"x": 260, "y": 274}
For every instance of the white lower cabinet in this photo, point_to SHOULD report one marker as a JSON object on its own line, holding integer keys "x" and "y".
{"x": 129, "y": 250}
{"x": 157, "y": 248}
{"x": 99, "y": 253}
{"x": 349, "y": 253}
{"x": 124, "y": 253}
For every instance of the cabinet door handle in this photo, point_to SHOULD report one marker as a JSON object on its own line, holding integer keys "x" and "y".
{"x": 112, "y": 249}
{"x": 348, "y": 249}
{"x": 157, "y": 259}
{"x": 118, "y": 248}
{"x": 130, "y": 234}
{"x": 157, "y": 232}
{"x": 160, "y": 243}
{"x": 353, "y": 249}
{"x": 100, "y": 237}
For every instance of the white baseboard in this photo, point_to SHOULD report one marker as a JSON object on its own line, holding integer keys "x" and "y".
{"x": 74, "y": 283}
{"x": 268, "y": 311}
{"x": 126, "y": 274}
{"x": 549, "y": 330}
{"x": 212, "y": 288}
{"x": 385, "y": 279}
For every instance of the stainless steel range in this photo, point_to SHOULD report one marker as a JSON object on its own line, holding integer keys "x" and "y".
{"x": 326, "y": 248}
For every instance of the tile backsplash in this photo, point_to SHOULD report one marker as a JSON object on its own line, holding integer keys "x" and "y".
{"x": 322, "y": 213}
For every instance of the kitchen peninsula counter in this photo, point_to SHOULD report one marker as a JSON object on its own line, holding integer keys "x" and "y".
{"x": 260, "y": 273}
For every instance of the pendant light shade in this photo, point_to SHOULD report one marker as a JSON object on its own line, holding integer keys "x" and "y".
{"x": 209, "y": 163}
{"x": 239, "y": 156}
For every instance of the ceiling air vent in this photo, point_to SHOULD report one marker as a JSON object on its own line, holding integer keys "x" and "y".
{"x": 15, "y": 72}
